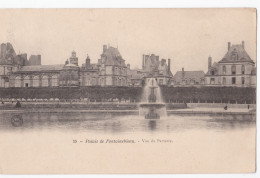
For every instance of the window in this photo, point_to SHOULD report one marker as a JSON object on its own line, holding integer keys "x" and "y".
{"x": 212, "y": 72}
{"x": 233, "y": 80}
{"x": 26, "y": 81}
{"x": 54, "y": 81}
{"x": 243, "y": 69}
{"x": 212, "y": 81}
{"x": 224, "y": 80}
{"x": 102, "y": 82}
{"x": 45, "y": 81}
{"x": 160, "y": 81}
{"x": 234, "y": 57}
{"x": 243, "y": 80}
{"x": 93, "y": 82}
{"x": 224, "y": 69}
{"x": 233, "y": 70}
{"x": 36, "y": 81}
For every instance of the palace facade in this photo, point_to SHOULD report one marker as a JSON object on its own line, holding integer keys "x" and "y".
{"x": 236, "y": 68}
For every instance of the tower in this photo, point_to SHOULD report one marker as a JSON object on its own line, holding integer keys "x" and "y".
{"x": 74, "y": 58}
{"x": 87, "y": 62}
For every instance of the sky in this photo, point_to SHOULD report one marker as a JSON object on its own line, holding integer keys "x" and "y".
{"x": 186, "y": 36}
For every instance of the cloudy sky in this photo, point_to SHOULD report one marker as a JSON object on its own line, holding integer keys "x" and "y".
{"x": 187, "y": 36}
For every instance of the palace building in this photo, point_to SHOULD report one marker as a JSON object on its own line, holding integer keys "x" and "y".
{"x": 17, "y": 71}
{"x": 188, "y": 78}
{"x": 236, "y": 68}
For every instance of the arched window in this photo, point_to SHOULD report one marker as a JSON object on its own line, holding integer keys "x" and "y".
{"x": 45, "y": 81}
{"x": 36, "y": 81}
{"x": 54, "y": 81}
{"x": 224, "y": 69}
{"x": 233, "y": 70}
{"x": 242, "y": 69}
{"x": 17, "y": 81}
{"x": 26, "y": 81}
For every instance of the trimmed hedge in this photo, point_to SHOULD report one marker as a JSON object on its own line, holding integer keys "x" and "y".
{"x": 170, "y": 94}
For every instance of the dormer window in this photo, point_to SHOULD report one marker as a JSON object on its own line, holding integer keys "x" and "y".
{"x": 234, "y": 57}
{"x": 212, "y": 72}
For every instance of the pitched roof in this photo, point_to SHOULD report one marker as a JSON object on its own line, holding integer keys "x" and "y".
{"x": 70, "y": 65}
{"x": 39, "y": 68}
{"x": 236, "y": 50}
{"x": 213, "y": 67}
{"x": 183, "y": 75}
{"x": 90, "y": 67}
{"x": 113, "y": 57}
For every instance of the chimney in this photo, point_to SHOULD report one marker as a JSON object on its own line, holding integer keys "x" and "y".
{"x": 229, "y": 44}
{"x": 209, "y": 62}
{"x": 243, "y": 44}
{"x": 143, "y": 62}
{"x": 169, "y": 65}
{"x": 87, "y": 62}
{"x": 146, "y": 58}
{"x": 157, "y": 58}
{"x": 104, "y": 48}
{"x": 182, "y": 72}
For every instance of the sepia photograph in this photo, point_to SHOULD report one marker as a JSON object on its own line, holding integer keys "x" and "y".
{"x": 168, "y": 91}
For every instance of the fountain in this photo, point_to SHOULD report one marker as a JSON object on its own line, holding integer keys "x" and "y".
{"x": 152, "y": 106}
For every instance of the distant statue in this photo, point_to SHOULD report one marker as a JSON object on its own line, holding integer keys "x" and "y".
{"x": 18, "y": 104}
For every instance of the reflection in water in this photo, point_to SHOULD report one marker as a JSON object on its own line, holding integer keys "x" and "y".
{"x": 152, "y": 124}
{"x": 119, "y": 122}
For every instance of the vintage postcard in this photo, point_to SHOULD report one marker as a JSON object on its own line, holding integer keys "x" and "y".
{"x": 127, "y": 91}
